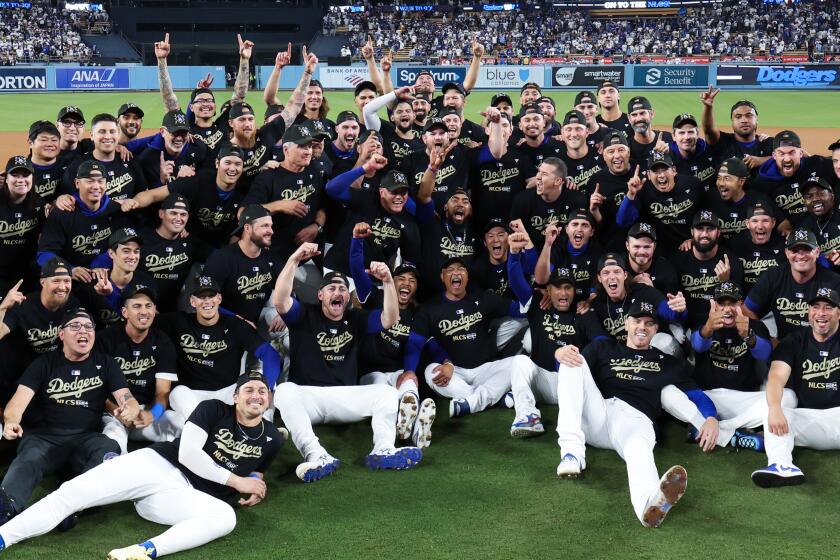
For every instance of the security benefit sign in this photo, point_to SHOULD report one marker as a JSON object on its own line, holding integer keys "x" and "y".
{"x": 23, "y": 79}
{"x": 95, "y": 77}
{"x": 586, "y": 76}
{"x": 779, "y": 77}
{"x": 694, "y": 75}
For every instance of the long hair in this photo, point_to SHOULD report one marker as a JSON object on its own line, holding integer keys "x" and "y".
{"x": 324, "y": 108}
{"x": 28, "y": 200}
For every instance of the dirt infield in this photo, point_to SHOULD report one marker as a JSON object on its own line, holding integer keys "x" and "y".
{"x": 815, "y": 140}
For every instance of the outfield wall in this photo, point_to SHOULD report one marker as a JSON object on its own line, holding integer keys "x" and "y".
{"x": 643, "y": 76}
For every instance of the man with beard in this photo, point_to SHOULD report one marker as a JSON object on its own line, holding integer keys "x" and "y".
{"x": 666, "y": 200}
{"x": 325, "y": 341}
{"x": 529, "y": 93}
{"x": 743, "y": 142}
{"x": 759, "y": 248}
{"x": 130, "y": 120}
{"x": 255, "y": 143}
{"x": 342, "y": 151}
{"x": 581, "y": 161}
{"x": 645, "y": 265}
{"x": 785, "y": 290}
{"x": 537, "y": 146}
{"x": 421, "y": 105}
{"x": 549, "y": 111}
{"x": 289, "y": 112}
{"x": 823, "y": 218}
{"x": 705, "y": 266}
{"x": 245, "y": 270}
{"x": 48, "y": 167}
{"x": 730, "y": 201}
{"x": 780, "y": 176}
{"x": 71, "y": 125}
{"x": 173, "y": 155}
{"x": 123, "y": 178}
{"x": 498, "y": 179}
{"x": 608, "y": 188}
{"x": 146, "y": 357}
{"x": 609, "y": 99}
{"x": 399, "y": 136}
{"x": 503, "y": 103}
{"x": 548, "y": 203}
{"x": 455, "y": 97}
{"x": 807, "y": 361}
{"x": 315, "y": 105}
{"x": 691, "y": 154}
{"x": 381, "y": 359}
{"x": 645, "y": 142}
{"x": 578, "y": 253}
{"x": 587, "y": 104}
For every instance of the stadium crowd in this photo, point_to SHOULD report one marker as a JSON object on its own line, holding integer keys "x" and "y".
{"x": 44, "y": 33}
{"x": 247, "y": 265}
{"x": 736, "y": 29}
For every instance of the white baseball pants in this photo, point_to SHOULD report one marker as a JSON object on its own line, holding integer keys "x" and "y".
{"x": 390, "y": 378}
{"x": 167, "y": 428}
{"x": 532, "y": 385}
{"x": 807, "y": 427}
{"x": 160, "y": 492}
{"x": 183, "y": 400}
{"x": 482, "y": 386}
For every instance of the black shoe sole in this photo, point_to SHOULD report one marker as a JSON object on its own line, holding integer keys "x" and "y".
{"x": 767, "y": 480}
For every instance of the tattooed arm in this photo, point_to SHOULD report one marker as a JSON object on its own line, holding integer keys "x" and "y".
{"x": 295, "y": 104}
{"x": 127, "y": 409}
{"x": 240, "y": 87}
{"x": 170, "y": 101}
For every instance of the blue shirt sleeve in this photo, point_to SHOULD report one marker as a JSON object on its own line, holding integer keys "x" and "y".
{"x": 339, "y": 186}
{"x": 294, "y": 314}
{"x": 752, "y": 306}
{"x": 669, "y": 314}
{"x": 627, "y": 213}
{"x": 425, "y": 213}
{"x": 438, "y": 354}
{"x": 703, "y": 403}
{"x": 518, "y": 282}
{"x": 762, "y": 349}
{"x": 413, "y": 349}
{"x": 374, "y": 321}
{"x": 410, "y": 206}
{"x": 139, "y": 144}
{"x": 364, "y": 285}
{"x": 272, "y": 363}
{"x": 700, "y": 343}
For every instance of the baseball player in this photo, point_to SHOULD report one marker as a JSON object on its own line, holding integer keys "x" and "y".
{"x": 809, "y": 360}
{"x": 760, "y": 247}
{"x": 609, "y": 187}
{"x": 45, "y": 156}
{"x": 609, "y": 395}
{"x": 22, "y": 215}
{"x": 224, "y": 451}
{"x": 70, "y": 122}
{"x": 609, "y": 98}
{"x": 645, "y": 142}
{"x": 732, "y": 199}
{"x": 743, "y": 142}
{"x": 691, "y": 154}
{"x": 324, "y": 342}
{"x": 823, "y": 217}
{"x": 587, "y": 104}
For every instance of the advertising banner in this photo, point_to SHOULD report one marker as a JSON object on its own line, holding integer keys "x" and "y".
{"x": 16, "y": 79}
{"x": 91, "y": 78}
{"x": 779, "y": 77}
{"x": 670, "y": 76}
{"x": 586, "y": 76}
{"x": 509, "y": 77}
{"x": 343, "y": 77}
{"x": 406, "y": 75}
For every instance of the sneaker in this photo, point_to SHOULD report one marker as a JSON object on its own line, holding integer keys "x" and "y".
{"x": 671, "y": 489}
{"x": 7, "y": 508}
{"x": 506, "y": 401}
{"x": 323, "y": 466}
{"x": 68, "y": 523}
{"x": 526, "y": 427}
{"x": 571, "y": 467}
{"x": 747, "y": 440}
{"x": 394, "y": 459}
{"x": 133, "y": 552}
{"x": 407, "y": 415}
{"x": 284, "y": 435}
{"x": 422, "y": 435}
{"x": 776, "y": 475}
{"x": 458, "y": 407}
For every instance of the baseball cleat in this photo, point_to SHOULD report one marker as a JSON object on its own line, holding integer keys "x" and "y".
{"x": 407, "y": 415}
{"x": 7, "y": 507}
{"x": 323, "y": 466}
{"x": 506, "y": 401}
{"x": 422, "y": 435}
{"x": 526, "y": 427}
{"x": 671, "y": 488}
{"x": 571, "y": 467}
{"x": 394, "y": 459}
{"x": 68, "y": 523}
{"x": 776, "y": 475}
{"x": 133, "y": 552}
{"x": 458, "y": 407}
{"x": 746, "y": 440}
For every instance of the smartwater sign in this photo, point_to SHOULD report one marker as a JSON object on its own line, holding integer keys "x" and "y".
{"x": 586, "y": 76}
{"x": 777, "y": 77}
{"x": 407, "y": 75}
{"x": 91, "y": 78}
{"x": 509, "y": 77}
{"x": 23, "y": 79}
{"x": 665, "y": 76}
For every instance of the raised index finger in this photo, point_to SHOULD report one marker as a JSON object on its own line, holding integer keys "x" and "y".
{"x": 638, "y": 168}
{"x": 166, "y": 38}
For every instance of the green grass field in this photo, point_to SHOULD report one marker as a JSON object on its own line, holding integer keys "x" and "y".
{"x": 777, "y": 109}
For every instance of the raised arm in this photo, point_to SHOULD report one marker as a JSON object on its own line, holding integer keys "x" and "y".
{"x": 282, "y": 298}
{"x": 298, "y": 96}
{"x": 495, "y": 142}
{"x": 240, "y": 87}
{"x": 270, "y": 92}
{"x": 170, "y": 100}
{"x": 710, "y": 130}
{"x": 390, "y": 306}
{"x": 543, "y": 270}
{"x": 475, "y": 64}
{"x": 370, "y": 60}
{"x": 427, "y": 184}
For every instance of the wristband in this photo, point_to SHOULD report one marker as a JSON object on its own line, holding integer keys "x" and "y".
{"x": 432, "y": 169}
{"x": 157, "y": 411}
{"x": 254, "y": 475}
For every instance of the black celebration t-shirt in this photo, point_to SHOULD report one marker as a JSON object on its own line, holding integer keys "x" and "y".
{"x": 815, "y": 368}
{"x": 728, "y": 363}
{"x": 246, "y": 282}
{"x": 143, "y": 362}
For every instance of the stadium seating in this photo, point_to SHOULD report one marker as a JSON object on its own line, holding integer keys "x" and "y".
{"x": 44, "y": 33}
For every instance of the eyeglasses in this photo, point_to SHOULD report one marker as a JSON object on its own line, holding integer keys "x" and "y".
{"x": 69, "y": 124}
{"x": 204, "y": 100}
{"x": 78, "y": 327}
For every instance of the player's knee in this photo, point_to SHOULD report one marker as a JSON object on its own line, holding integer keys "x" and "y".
{"x": 789, "y": 399}
{"x": 285, "y": 393}
{"x": 429, "y": 373}
{"x": 409, "y": 378}
{"x": 224, "y": 520}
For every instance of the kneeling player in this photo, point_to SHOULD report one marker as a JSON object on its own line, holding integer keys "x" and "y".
{"x": 223, "y": 451}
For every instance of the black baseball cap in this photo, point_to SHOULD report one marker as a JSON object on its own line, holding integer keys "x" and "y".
{"x": 42, "y": 127}
{"x": 814, "y": 181}
{"x": 457, "y": 191}
{"x": 639, "y": 308}
{"x": 759, "y": 208}
{"x": 367, "y": 133}
{"x": 272, "y": 109}
{"x": 545, "y": 99}
{"x": 574, "y": 117}
{"x": 639, "y": 103}
{"x": 394, "y": 180}
{"x": 346, "y": 116}
{"x": 581, "y": 214}
{"x": 334, "y": 277}
{"x": 19, "y": 163}
{"x": 175, "y": 201}
{"x": 316, "y": 83}
{"x": 87, "y": 169}
{"x": 446, "y": 111}
{"x": 611, "y": 259}
{"x": 642, "y": 229}
{"x": 362, "y": 86}
{"x": 743, "y": 103}
{"x": 140, "y": 289}
{"x": 802, "y": 236}
{"x": 585, "y": 97}
{"x": 422, "y": 95}
{"x": 561, "y": 275}
{"x": 251, "y": 375}
{"x": 434, "y": 122}
{"x": 53, "y": 268}
{"x": 684, "y": 118}
{"x": 206, "y": 284}
{"x": 198, "y": 91}
{"x": 298, "y": 134}
{"x": 453, "y": 85}
{"x": 530, "y": 85}
{"x": 785, "y": 139}
{"x": 122, "y": 236}
{"x": 319, "y": 128}
{"x": 175, "y": 121}
{"x": 734, "y": 166}
{"x": 728, "y": 290}
{"x": 494, "y": 223}
{"x": 76, "y": 313}
{"x": 453, "y": 260}
{"x": 130, "y": 108}
{"x": 530, "y": 109}
{"x": 834, "y": 146}
{"x": 616, "y": 137}
{"x": 239, "y": 109}
{"x": 499, "y": 97}
{"x": 705, "y": 218}
{"x": 608, "y": 83}
{"x": 658, "y": 159}
{"x": 70, "y": 111}
{"x": 404, "y": 267}
{"x": 230, "y": 150}
{"x": 251, "y": 214}
{"x": 425, "y": 73}
{"x": 825, "y": 294}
